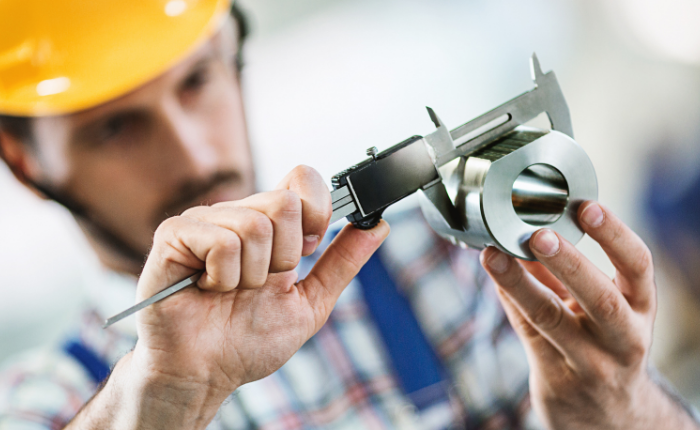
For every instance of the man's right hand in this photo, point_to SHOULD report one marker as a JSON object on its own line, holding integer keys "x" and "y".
{"x": 248, "y": 315}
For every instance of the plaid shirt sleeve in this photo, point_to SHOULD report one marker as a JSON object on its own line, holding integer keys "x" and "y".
{"x": 42, "y": 389}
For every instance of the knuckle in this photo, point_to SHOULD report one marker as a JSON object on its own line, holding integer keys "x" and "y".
{"x": 193, "y": 212}
{"x": 259, "y": 227}
{"x": 512, "y": 278}
{"x": 617, "y": 231}
{"x": 524, "y": 327}
{"x": 607, "y": 305}
{"x": 230, "y": 242}
{"x": 548, "y": 314}
{"x": 346, "y": 256}
{"x": 303, "y": 170}
{"x": 644, "y": 264}
{"x": 165, "y": 227}
{"x": 166, "y": 246}
{"x": 572, "y": 266}
{"x": 633, "y": 354}
{"x": 288, "y": 204}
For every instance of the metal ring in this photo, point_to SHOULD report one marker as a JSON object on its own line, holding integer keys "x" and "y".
{"x": 509, "y": 232}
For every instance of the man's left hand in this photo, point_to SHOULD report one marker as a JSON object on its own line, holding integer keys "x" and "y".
{"x": 587, "y": 337}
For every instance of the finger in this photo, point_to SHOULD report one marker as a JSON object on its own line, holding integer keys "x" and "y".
{"x": 592, "y": 289}
{"x": 182, "y": 246}
{"x": 627, "y": 252}
{"x": 283, "y": 208}
{"x": 537, "y": 347}
{"x": 254, "y": 231}
{"x": 546, "y": 278}
{"x": 542, "y": 308}
{"x": 340, "y": 262}
{"x": 316, "y": 203}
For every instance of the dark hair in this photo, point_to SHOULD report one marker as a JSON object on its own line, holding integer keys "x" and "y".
{"x": 243, "y": 31}
{"x": 20, "y": 127}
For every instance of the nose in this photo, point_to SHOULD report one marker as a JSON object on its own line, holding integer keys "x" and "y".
{"x": 186, "y": 142}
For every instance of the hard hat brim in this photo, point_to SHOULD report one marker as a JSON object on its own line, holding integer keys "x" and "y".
{"x": 65, "y": 56}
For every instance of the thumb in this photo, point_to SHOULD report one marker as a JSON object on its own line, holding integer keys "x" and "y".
{"x": 340, "y": 262}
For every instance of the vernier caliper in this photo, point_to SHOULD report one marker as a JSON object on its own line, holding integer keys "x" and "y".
{"x": 364, "y": 191}
{"x": 491, "y": 181}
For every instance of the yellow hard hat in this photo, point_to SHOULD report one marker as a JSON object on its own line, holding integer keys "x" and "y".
{"x": 61, "y": 56}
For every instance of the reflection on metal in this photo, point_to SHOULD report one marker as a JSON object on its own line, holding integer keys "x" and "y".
{"x": 343, "y": 204}
{"x": 540, "y": 194}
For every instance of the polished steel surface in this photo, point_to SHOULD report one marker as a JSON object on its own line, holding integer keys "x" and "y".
{"x": 343, "y": 203}
{"x": 540, "y": 195}
{"x": 192, "y": 280}
{"x": 526, "y": 180}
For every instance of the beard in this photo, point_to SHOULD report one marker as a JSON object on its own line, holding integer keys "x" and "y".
{"x": 186, "y": 195}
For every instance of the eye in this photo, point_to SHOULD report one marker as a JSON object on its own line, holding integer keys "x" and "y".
{"x": 114, "y": 127}
{"x": 121, "y": 129}
{"x": 196, "y": 80}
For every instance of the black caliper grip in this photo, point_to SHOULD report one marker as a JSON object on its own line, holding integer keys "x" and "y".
{"x": 385, "y": 179}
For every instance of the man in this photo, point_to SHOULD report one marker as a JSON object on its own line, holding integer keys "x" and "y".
{"x": 129, "y": 113}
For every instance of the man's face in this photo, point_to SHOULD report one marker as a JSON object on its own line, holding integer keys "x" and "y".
{"x": 178, "y": 141}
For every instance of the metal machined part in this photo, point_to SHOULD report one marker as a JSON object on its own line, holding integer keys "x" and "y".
{"x": 188, "y": 282}
{"x": 343, "y": 203}
{"x": 526, "y": 180}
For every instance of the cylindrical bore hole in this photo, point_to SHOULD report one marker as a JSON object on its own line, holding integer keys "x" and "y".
{"x": 540, "y": 195}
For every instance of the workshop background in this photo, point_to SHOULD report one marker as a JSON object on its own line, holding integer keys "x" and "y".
{"x": 325, "y": 79}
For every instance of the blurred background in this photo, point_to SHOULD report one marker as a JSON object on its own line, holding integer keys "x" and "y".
{"x": 326, "y": 79}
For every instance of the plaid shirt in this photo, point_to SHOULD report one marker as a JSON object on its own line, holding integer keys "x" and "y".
{"x": 342, "y": 378}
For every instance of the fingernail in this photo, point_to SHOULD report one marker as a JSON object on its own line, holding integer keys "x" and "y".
{"x": 498, "y": 262}
{"x": 545, "y": 242}
{"x": 593, "y": 215}
{"x": 310, "y": 244}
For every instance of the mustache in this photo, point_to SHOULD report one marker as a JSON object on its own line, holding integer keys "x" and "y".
{"x": 191, "y": 193}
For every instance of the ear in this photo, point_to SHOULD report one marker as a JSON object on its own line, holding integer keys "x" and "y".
{"x": 20, "y": 159}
